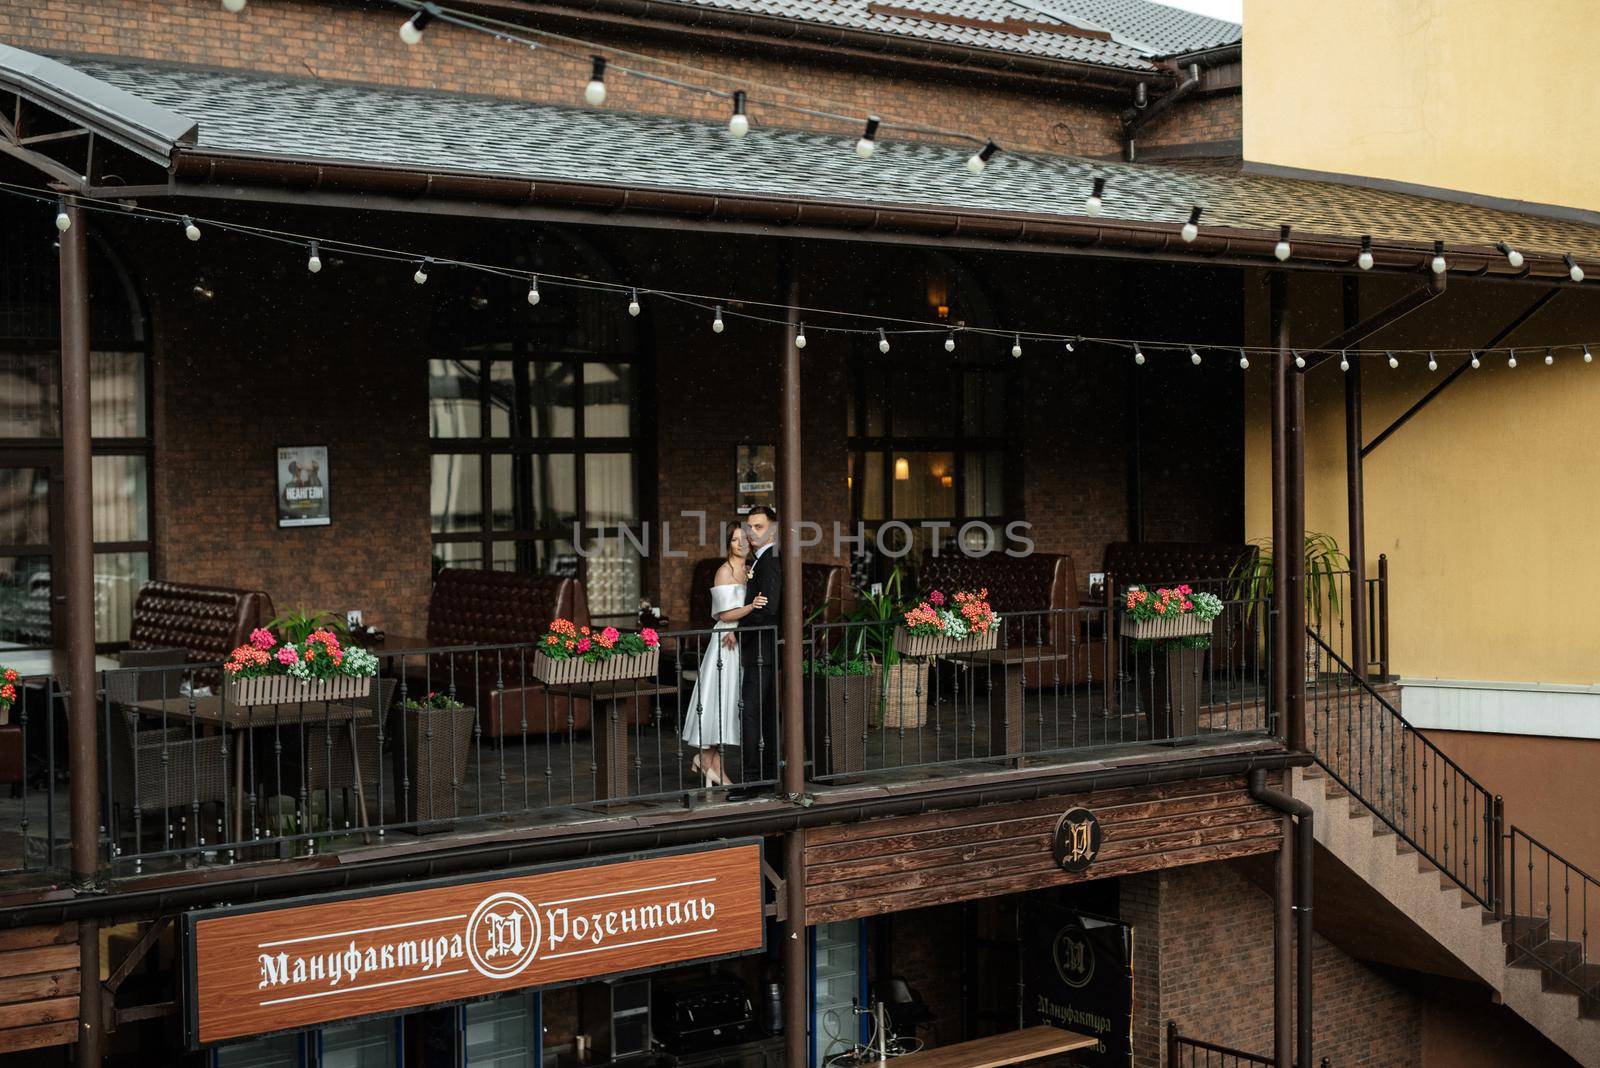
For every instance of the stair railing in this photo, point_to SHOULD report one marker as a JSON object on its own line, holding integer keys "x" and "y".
{"x": 1366, "y": 746}
{"x": 1553, "y": 908}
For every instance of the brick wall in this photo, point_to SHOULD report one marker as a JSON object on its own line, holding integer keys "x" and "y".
{"x": 315, "y": 38}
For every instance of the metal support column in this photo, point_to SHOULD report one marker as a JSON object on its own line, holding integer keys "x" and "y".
{"x": 79, "y": 588}
{"x": 1293, "y": 551}
{"x": 792, "y": 705}
{"x": 1356, "y": 540}
{"x": 1278, "y": 637}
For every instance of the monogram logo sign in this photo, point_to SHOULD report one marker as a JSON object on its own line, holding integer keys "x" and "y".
{"x": 313, "y": 962}
{"x": 1077, "y": 840}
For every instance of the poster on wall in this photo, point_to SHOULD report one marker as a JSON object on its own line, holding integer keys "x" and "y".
{"x": 1078, "y": 975}
{"x": 303, "y": 486}
{"x": 755, "y": 476}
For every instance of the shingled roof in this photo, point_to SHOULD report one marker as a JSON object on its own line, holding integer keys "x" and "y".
{"x": 1109, "y": 33}
{"x": 274, "y": 118}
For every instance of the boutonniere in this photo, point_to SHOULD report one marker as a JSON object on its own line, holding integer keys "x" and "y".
{"x": 750, "y": 572}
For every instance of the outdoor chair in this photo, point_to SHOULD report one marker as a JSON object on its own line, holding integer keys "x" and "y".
{"x": 346, "y": 755}
{"x": 129, "y": 686}
{"x": 158, "y": 770}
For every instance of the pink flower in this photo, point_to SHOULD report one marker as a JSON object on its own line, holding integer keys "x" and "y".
{"x": 287, "y": 655}
{"x": 936, "y": 598}
{"x": 262, "y": 638}
{"x": 609, "y": 636}
{"x": 583, "y": 645}
{"x": 651, "y": 638}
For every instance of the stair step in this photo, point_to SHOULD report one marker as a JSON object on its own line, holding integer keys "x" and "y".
{"x": 1525, "y": 930}
{"x": 1381, "y": 829}
{"x": 1402, "y": 846}
{"x": 1556, "y": 954}
{"x": 1589, "y": 1007}
{"x": 1333, "y": 789}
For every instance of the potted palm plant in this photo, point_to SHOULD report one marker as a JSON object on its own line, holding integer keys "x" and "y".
{"x": 1325, "y": 563}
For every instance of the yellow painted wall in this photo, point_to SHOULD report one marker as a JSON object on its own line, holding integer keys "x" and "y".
{"x": 1487, "y": 502}
{"x": 1495, "y": 97}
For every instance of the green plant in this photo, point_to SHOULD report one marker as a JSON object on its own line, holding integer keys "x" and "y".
{"x": 1325, "y": 562}
{"x": 299, "y": 624}
{"x": 870, "y": 635}
{"x": 837, "y": 666}
{"x": 438, "y": 701}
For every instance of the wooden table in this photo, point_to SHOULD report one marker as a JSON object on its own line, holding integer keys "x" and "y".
{"x": 240, "y": 719}
{"x": 1006, "y": 715}
{"x": 607, "y": 732}
{"x": 996, "y": 1051}
{"x": 45, "y": 662}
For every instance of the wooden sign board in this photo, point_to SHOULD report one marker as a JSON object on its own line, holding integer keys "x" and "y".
{"x": 259, "y": 970}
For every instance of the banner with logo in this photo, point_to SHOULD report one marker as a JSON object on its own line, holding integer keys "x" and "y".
{"x": 311, "y": 961}
{"x": 1078, "y": 975}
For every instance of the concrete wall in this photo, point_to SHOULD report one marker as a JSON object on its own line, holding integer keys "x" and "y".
{"x": 1471, "y": 95}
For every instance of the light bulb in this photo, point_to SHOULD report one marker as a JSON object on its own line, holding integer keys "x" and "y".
{"x": 1069, "y": 345}
{"x": 595, "y": 92}
{"x": 738, "y": 122}
{"x": 716, "y": 323}
{"x": 1096, "y": 198}
{"x": 190, "y": 230}
{"x": 950, "y": 342}
{"x": 1549, "y": 357}
{"x": 1433, "y": 364}
{"x": 980, "y": 159}
{"x": 1438, "y": 264}
{"x": 1016, "y": 347}
{"x": 1282, "y": 249}
{"x": 533, "y": 289}
{"x": 1244, "y": 361}
{"x": 1138, "y": 356}
{"x": 421, "y": 277}
{"x": 1476, "y": 363}
{"x": 867, "y": 143}
{"x": 1344, "y": 361}
{"x": 63, "y": 220}
{"x": 314, "y": 259}
{"x": 1588, "y": 357}
{"x": 1194, "y": 356}
{"x": 411, "y": 29}
{"x": 1191, "y": 229}
{"x": 800, "y": 337}
{"x": 633, "y": 303}
{"x": 233, "y": 7}
{"x": 1364, "y": 261}
{"x": 1512, "y": 360}
{"x": 1513, "y": 257}
{"x": 883, "y": 341}
{"x": 1394, "y": 362}
{"x": 1574, "y": 272}
{"x": 1299, "y": 361}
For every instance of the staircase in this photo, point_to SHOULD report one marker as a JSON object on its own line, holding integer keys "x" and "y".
{"x": 1429, "y": 839}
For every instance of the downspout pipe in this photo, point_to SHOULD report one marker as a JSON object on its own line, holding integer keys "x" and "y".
{"x": 1137, "y": 117}
{"x": 1304, "y": 845}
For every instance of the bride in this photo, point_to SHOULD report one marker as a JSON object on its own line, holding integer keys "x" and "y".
{"x": 711, "y": 720}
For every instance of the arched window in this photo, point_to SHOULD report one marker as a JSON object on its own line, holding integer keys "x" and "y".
{"x": 31, "y": 535}
{"x": 534, "y": 420}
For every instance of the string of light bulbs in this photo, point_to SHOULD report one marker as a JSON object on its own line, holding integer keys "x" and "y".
{"x": 817, "y": 320}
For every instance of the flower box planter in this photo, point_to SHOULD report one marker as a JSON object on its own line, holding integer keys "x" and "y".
{"x": 838, "y": 707}
{"x": 288, "y": 690}
{"x": 576, "y": 671}
{"x": 904, "y": 692}
{"x": 438, "y": 745}
{"x": 908, "y": 644}
{"x": 1188, "y": 625}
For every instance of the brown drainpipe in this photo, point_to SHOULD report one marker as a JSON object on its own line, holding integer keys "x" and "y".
{"x": 1139, "y": 116}
{"x": 79, "y": 597}
{"x": 1304, "y": 858}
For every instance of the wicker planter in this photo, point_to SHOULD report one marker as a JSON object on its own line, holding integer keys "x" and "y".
{"x": 907, "y": 644}
{"x": 552, "y": 672}
{"x": 903, "y": 689}
{"x": 1168, "y": 690}
{"x": 438, "y": 744}
{"x": 1189, "y": 625}
{"x": 288, "y": 690}
{"x": 838, "y": 706}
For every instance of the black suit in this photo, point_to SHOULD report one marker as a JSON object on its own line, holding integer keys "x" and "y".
{"x": 758, "y": 655}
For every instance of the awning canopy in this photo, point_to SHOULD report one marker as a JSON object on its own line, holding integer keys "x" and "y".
{"x": 254, "y": 129}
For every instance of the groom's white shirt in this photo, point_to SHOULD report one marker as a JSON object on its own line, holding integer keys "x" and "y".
{"x": 763, "y": 549}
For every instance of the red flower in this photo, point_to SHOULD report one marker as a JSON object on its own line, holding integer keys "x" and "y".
{"x": 936, "y": 597}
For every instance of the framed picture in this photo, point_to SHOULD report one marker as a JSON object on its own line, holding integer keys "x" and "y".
{"x": 755, "y": 471}
{"x": 303, "y": 486}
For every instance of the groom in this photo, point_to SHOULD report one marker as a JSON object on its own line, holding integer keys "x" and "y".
{"x": 758, "y": 652}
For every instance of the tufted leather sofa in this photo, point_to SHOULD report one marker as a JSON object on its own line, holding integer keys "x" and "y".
{"x": 207, "y": 622}
{"x": 1208, "y": 566}
{"x": 1036, "y": 596}
{"x": 503, "y": 608}
{"x": 822, "y": 586}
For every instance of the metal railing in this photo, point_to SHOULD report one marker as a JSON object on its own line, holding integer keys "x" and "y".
{"x": 1186, "y": 1052}
{"x": 1553, "y": 913}
{"x": 1053, "y": 681}
{"x": 1408, "y": 782}
{"x": 36, "y": 830}
{"x": 449, "y": 737}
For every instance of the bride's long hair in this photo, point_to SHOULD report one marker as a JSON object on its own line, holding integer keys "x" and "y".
{"x": 735, "y": 536}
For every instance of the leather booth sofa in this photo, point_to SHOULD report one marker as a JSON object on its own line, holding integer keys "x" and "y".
{"x": 1213, "y": 567}
{"x": 472, "y": 607}
{"x": 207, "y": 622}
{"x": 1036, "y": 597}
